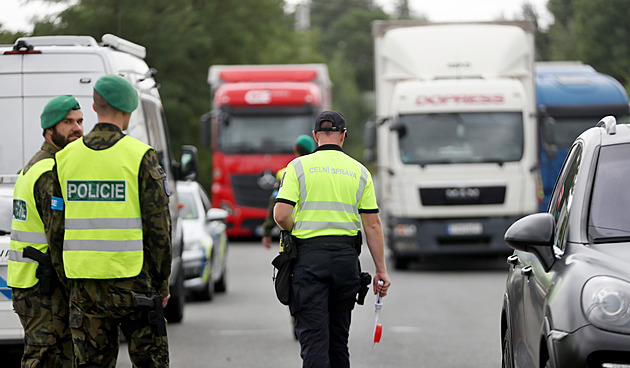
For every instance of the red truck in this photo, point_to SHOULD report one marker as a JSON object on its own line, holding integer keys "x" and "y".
{"x": 257, "y": 113}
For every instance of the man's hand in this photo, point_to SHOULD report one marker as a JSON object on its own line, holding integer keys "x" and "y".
{"x": 165, "y": 300}
{"x": 266, "y": 241}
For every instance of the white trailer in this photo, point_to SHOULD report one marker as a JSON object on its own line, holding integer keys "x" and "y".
{"x": 456, "y": 141}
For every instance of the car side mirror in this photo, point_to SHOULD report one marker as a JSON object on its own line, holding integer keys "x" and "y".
{"x": 534, "y": 234}
{"x": 216, "y": 214}
{"x": 189, "y": 163}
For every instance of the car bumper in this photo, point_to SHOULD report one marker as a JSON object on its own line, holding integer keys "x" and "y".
{"x": 592, "y": 348}
{"x": 196, "y": 271}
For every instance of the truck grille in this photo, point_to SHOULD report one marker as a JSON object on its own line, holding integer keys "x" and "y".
{"x": 462, "y": 196}
{"x": 248, "y": 193}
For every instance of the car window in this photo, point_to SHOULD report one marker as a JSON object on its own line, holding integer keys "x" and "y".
{"x": 189, "y": 210}
{"x": 562, "y": 198}
{"x": 204, "y": 199}
{"x": 610, "y": 206}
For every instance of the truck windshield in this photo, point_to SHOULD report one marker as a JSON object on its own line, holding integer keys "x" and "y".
{"x": 610, "y": 207}
{"x": 461, "y": 138}
{"x": 252, "y": 134}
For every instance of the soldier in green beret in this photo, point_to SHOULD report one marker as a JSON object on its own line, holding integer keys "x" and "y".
{"x": 115, "y": 232}
{"x": 39, "y": 298}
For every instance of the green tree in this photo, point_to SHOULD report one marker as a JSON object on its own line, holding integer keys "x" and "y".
{"x": 183, "y": 39}
{"x": 603, "y": 31}
{"x": 561, "y": 34}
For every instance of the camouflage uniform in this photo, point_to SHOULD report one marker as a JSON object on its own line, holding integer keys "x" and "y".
{"x": 47, "y": 341}
{"x": 98, "y": 307}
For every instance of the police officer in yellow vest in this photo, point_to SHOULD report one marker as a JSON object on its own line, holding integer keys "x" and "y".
{"x": 116, "y": 238}
{"x": 39, "y": 298}
{"x": 323, "y": 199}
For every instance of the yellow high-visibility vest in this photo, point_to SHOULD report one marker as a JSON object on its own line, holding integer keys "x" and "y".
{"x": 103, "y": 223}
{"x": 27, "y": 228}
{"x": 329, "y": 188}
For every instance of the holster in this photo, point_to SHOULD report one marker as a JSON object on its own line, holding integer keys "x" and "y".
{"x": 364, "y": 277}
{"x": 283, "y": 264}
{"x": 45, "y": 272}
{"x": 155, "y": 312}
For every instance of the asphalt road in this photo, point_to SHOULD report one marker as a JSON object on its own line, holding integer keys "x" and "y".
{"x": 437, "y": 314}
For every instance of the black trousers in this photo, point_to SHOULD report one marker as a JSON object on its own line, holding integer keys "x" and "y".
{"x": 324, "y": 288}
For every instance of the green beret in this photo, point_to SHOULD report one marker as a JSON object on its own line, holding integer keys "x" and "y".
{"x": 118, "y": 92}
{"x": 306, "y": 142}
{"x": 57, "y": 109}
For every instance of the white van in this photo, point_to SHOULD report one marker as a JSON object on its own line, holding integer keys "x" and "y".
{"x": 36, "y": 69}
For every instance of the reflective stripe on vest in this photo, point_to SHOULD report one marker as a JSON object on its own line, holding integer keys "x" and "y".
{"x": 27, "y": 228}
{"x": 319, "y": 217}
{"x": 103, "y": 225}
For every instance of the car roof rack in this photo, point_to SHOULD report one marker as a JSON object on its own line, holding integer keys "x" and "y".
{"x": 610, "y": 123}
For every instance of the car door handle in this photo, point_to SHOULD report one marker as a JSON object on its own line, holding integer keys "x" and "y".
{"x": 513, "y": 259}
{"x": 526, "y": 271}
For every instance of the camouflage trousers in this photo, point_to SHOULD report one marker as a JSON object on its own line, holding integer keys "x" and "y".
{"x": 47, "y": 340}
{"x": 98, "y": 310}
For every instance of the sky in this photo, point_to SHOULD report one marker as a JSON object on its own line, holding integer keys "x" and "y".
{"x": 15, "y": 15}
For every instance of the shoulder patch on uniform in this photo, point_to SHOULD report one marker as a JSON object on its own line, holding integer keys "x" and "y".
{"x": 19, "y": 210}
{"x": 56, "y": 203}
{"x": 166, "y": 189}
{"x": 282, "y": 181}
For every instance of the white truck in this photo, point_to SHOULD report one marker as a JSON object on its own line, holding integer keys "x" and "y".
{"x": 455, "y": 135}
{"x": 36, "y": 69}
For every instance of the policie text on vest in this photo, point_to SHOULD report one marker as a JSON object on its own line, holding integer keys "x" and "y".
{"x": 97, "y": 190}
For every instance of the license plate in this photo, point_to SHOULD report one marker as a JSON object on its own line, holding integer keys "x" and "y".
{"x": 464, "y": 228}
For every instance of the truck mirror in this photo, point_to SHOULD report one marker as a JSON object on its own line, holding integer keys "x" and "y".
{"x": 369, "y": 135}
{"x": 548, "y": 136}
{"x": 206, "y": 128}
{"x": 189, "y": 163}
{"x": 399, "y": 127}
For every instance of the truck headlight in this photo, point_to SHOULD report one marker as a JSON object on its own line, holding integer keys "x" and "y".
{"x": 606, "y": 303}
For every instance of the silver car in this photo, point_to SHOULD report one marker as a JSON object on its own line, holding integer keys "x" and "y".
{"x": 205, "y": 242}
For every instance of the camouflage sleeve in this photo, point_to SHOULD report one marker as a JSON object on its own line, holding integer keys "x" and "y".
{"x": 46, "y": 187}
{"x": 156, "y": 221}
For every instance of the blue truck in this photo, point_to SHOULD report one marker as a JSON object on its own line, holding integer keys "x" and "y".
{"x": 571, "y": 98}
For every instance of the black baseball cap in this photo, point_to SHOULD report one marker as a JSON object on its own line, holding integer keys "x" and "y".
{"x": 337, "y": 120}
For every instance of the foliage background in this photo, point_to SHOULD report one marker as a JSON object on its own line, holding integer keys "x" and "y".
{"x": 185, "y": 37}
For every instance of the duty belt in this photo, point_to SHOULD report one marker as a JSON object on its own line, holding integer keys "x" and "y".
{"x": 344, "y": 239}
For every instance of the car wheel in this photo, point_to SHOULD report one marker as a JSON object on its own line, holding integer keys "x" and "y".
{"x": 174, "y": 311}
{"x": 207, "y": 292}
{"x": 220, "y": 285}
{"x": 506, "y": 356}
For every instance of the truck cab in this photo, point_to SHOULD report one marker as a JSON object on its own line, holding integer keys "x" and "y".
{"x": 257, "y": 113}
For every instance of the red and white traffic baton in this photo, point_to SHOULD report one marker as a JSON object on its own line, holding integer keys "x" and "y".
{"x": 378, "y": 328}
